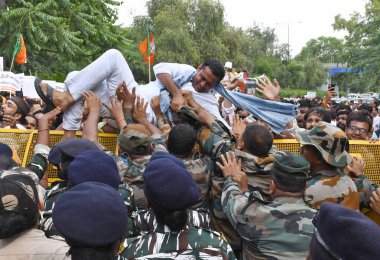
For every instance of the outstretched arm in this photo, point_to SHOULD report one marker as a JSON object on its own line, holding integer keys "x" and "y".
{"x": 268, "y": 90}
{"x": 39, "y": 161}
{"x": 128, "y": 99}
{"x": 177, "y": 99}
{"x": 116, "y": 110}
{"x": 139, "y": 116}
{"x": 90, "y": 129}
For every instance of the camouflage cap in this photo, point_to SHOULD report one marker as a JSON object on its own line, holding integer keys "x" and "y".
{"x": 133, "y": 136}
{"x": 186, "y": 113}
{"x": 331, "y": 141}
{"x": 290, "y": 166}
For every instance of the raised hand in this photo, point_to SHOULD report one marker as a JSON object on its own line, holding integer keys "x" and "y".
{"x": 46, "y": 120}
{"x": 51, "y": 114}
{"x": 139, "y": 111}
{"x": 239, "y": 126}
{"x": 116, "y": 109}
{"x": 188, "y": 96}
{"x": 267, "y": 89}
{"x": 232, "y": 168}
{"x": 230, "y": 165}
{"x": 375, "y": 201}
{"x": 155, "y": 104}
{"x": 124, "y": 95}
{"x": 357, "y": 167}
{"x": 177, "y": 102}
{"x": 10, "y": 120}
{"x": 92, "y": 100}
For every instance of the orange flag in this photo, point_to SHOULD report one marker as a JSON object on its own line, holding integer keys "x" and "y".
{"x": 143, "y": 47}
{"x": 20, "y": 50}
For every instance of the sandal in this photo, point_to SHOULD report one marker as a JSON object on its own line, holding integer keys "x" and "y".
{"x": 48, "y": 99}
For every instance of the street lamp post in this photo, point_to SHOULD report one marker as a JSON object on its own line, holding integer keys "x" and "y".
{"x": 288, "y": 24}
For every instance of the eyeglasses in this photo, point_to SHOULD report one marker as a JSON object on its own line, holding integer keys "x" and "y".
{"x": 361, "y": 130}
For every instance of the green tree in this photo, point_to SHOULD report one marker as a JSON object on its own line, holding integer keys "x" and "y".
{"x": 325, "y": 49}
{"x": 362, "y": 47}
{"x": 60, "y": 35}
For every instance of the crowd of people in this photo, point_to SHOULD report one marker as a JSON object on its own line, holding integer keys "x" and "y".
{"x": 196, "y": 175}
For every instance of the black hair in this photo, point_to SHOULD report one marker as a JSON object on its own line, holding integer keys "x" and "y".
{"x": 37, "y": 112}
{"x": 343, "y": 107}
{"x": 258, "y": 140}
{"x": 304, "y": 103}
{"x": 216, "y": 68}
{"x": 289, "y": 101}
{"x": 320, "y": 112}
{"x": 64, "y": 166}
{"x": 365, "y": 107}
{"x": 22, "y": 119}
{"x": 6, "y": 162}
{"x": 181, "y": 117}
{"x": 360, "y": 116}
{"x": 182, "y": 139}
{"x": 343, "y": 112}
{"x": 174, "y": 219}
{"x": 31, "y": 102}
{"x": 332, "y": 114}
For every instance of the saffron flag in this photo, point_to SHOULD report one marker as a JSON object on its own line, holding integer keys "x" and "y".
{"x": 148, "y": 49}
{"x": 19, "y": 52}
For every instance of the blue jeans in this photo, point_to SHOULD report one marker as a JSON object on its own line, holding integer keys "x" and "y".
{"x": 276, "y": 114}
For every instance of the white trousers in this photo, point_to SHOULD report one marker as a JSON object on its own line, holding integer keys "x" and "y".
{"x": 102, "y": 77}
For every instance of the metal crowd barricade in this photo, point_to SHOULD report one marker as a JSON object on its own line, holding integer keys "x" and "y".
{"x": 23, "y": 142}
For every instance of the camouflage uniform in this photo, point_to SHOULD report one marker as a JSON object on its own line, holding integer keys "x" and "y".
{"x": 131, "y": 171}
{"x": 181, "y": 191}
{"x": 281, "y": 229}
{"x": 365, "y": 188}
{"x": 144, "y": 220}
{"x": 192, "y": 242}
{"x": 55, "y": 192}
{"x": 201, "y": 168}
{"x": 329, "y": 185}
{"x": 215, "y": 141}
{"x": 39, "y": 161}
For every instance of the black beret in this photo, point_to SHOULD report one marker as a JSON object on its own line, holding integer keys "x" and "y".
{"x": 168, "y": 184}
{"x": 91, "y": 214}
{"x": 347, "y": 233}
{"x": 94, "y": 166}
{"x": 69, "y": 148}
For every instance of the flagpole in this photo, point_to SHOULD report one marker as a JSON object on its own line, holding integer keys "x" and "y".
{"x": 148, "y": 40}
{"x": 149, "y": 68}
{"x": 13, "y": 56}
{"x": 12, "y": 64}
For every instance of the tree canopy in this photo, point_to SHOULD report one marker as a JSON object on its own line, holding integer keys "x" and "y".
{"x": 65, "y": 35}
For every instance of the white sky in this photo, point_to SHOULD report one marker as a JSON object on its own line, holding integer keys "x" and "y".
{"x": 307, "y": 19}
